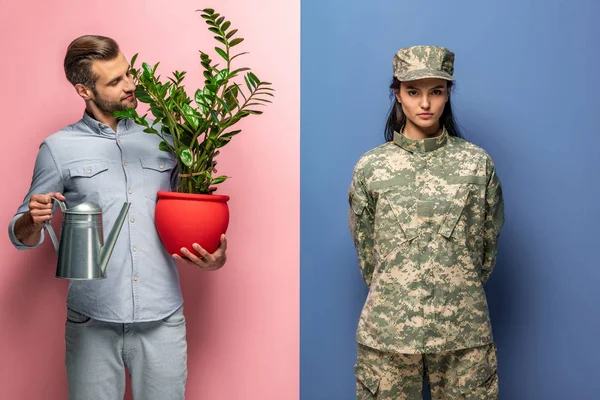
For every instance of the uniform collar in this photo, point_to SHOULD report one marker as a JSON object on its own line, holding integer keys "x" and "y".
{"x": 421, "y": 146}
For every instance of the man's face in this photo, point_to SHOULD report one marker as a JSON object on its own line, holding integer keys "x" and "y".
{"x": 114, "y": 85}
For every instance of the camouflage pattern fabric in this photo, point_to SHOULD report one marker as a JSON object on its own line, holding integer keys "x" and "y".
{"x": 425, "y": 218}
{"x": 467, "y": 374}
{"x": 420, "y": 62}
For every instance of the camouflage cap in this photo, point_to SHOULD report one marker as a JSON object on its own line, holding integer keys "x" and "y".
{"x": 419, "y": 62}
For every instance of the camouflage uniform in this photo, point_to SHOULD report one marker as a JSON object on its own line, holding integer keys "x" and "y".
{"x": 425, "y": 218}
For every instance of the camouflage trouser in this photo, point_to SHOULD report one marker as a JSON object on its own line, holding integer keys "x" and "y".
{"x": 469, "y": 374}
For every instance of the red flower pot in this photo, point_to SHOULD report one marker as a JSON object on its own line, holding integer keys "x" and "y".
{"x": 183, "y": 219}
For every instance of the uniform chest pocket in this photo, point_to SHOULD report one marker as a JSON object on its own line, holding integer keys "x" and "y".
{"x": 92, "y": 181}
{"x": 395, "y": 224}
{"x": 465, "y": 214}
{"x": 157, "y": 175}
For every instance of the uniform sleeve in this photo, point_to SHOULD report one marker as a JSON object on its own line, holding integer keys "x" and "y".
{"x": 360, "y": 220}
{"x": 494, "y": 219}
{"x": 46, "y": 178}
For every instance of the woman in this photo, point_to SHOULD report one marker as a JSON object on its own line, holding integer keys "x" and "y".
{"x": 425, "y": 214}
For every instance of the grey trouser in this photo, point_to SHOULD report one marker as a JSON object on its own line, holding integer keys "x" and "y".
{"x": 155, "y": 353}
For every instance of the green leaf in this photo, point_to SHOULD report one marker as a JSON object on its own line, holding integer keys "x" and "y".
{"x": 220, "y": 20}
{"x": 224, "y": 104}
{"x": 155, "y": 67}
{"x": 125, "y": 114}
{"x": 218, "y": 179}
{"x": 221, "y": 76}
{"x": 142, "y": 96}
{"x": 164, "y": 147}
{"x": 235, "y": 42}
{"x": 240, "y": 54}
{"x": 199, "y": 97}
{"x": 191, "y": 116}
{"x": 214, "y": 30}
{"x": 231, "y": 33}
{"x": 212, "y": 89}
{"x": 254, "y": 112}
{"x": 221, "y": 40}
{"x": 133, "y": 60}
{"x": 229, "y": 135}
{"x": 186, "y": 157}
{"x": 214, "y": 116}
{"x": 151, "y": 130}
{"x": 254, "y": 78}
{"x": 230, "y": 97}
{"x": 147, "y": 69}
{"x": 225, "y": 26}
{"x": 157, "y": 112}
{"x": 209, "y": 11}
{"x": 250, "y": 88}
{"x": 222, "y": 53}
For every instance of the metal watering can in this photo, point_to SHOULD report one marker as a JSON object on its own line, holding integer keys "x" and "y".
{"x": 81, "y": 252}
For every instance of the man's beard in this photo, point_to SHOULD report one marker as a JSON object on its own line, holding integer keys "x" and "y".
{"x": 109, "y": 107}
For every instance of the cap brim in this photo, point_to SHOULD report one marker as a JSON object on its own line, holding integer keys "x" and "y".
{"x": 424, "y": 74}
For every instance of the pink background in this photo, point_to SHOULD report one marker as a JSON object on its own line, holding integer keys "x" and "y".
{"x": 243, "y": 321}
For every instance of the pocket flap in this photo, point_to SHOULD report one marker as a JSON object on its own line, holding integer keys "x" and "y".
{"x": 454, "y": 212}
{"x": 89, "y": 169}
{"x": 405, "y": 218}
{"x": 357, "y": 203}
{"x": 160, "y": 164}
{"x": 481, "y": 373}
{"x": 367, "y": 377}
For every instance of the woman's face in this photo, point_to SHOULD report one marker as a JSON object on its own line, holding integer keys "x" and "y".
{"x": 423, "y": 102}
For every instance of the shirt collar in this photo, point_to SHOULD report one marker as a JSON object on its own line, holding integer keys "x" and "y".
{"x": 421, "y": 146}
{"x": 103, "y": 129}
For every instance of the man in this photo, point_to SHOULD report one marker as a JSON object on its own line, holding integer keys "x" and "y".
{"x": 134, "y": 317}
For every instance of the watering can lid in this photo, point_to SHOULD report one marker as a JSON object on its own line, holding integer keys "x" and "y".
{"x": 85, "y": 208}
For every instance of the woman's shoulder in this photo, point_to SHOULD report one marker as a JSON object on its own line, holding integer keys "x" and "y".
{"x": 376, "y": 154}
{"x": 470, "y": 149}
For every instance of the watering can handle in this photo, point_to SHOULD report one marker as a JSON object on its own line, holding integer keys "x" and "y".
{"x": 48, "y": 227}
{"x": 62, "y": 205}
{"x": 52, "y": 235}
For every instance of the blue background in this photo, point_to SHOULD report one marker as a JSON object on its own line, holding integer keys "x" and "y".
{"x": 528, "y": 91}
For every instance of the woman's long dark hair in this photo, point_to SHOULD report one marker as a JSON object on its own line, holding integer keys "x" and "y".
{"x": 396, "y": 119}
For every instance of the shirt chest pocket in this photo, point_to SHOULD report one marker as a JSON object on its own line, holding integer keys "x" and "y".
{"x": 91, "y": 180}
{"x": 157, "y": 175}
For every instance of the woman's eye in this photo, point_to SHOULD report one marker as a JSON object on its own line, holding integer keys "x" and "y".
{"x": 436, "y": 92}
{"x": 412, "y": 92}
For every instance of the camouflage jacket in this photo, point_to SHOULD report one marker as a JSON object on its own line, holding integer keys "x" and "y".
{"x": 425, "y": 218}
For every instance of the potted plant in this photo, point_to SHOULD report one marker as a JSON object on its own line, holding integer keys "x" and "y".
{"x": 193, "y": 129}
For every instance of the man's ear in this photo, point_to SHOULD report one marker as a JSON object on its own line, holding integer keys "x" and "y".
{"x": 83, "y": 91}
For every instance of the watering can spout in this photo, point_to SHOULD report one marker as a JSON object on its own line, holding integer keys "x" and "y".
{"x": 111, "y": 240}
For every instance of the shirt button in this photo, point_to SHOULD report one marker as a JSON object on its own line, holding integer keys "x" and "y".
{"x": 125, "y": 163}
{"x": 129, "y": 191}
{"x": 135, "y": 278}
{"x": 118, "y": 139}
{"x": 132, "y": 220}
{"x": 134, "y": 249}
{"x": 162, "y": 165}
{"x": 89, "y": 171}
